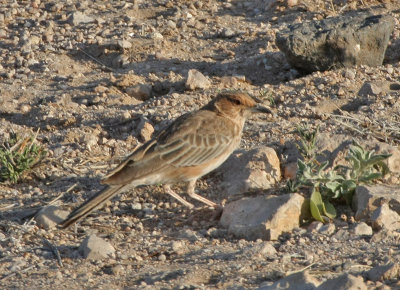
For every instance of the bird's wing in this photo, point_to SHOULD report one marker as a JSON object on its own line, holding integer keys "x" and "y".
{"x": 200, "y": 139}
{"x": 191, "y": 140}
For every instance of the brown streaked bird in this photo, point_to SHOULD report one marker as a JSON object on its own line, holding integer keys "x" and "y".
{"x": 190, "y": 147}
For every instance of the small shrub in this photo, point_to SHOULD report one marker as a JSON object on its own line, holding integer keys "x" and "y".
{"x": 18, "y": 156}
{"x": 340, "y": 182}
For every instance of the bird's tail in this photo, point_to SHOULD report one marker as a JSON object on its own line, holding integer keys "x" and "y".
{"x": 90, "y": 205}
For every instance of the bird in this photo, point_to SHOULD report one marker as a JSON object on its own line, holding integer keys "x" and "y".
{"x": 191, "y": 146}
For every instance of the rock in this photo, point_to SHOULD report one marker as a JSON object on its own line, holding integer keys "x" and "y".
{"x": 368, "y": 198}
{"x": 77, "y": 18}
{"x": 196, "y": 80}
{"x": 50, "y": 216}
{"x": 89, "y": 140}
{"x": 292, "y": 3}
{"x": 145, "y": 130}
{"x": 327, "y": 229}
{"x": 384, "y": 217}
{"x": 265, "y": 249}
{"x": 229, "y": 82}
{"x": 250, "y": 170}
{"x": 178, "y": 247}
{"x": 362, "y": 229}
{"x": 228, "y": 33}
{"x": 124, "y": 44}
{"x": 263, "y": 217}
{"x": 299, "y": 281}
{"x": 369, "y": 89}
{"x": 315, "y": 226}
{"x": 384, "y": 272}
{"x": 95, "y": 248}
{"x": 385, "y": 235}
{"x": 141, "y": 92}
{"x": 336, "y": 42}
{"x": 157, "y": 35}
{"x": 344, "y": 282}
{"x": 117, "y": 270}
{"x": 261, "y": 251}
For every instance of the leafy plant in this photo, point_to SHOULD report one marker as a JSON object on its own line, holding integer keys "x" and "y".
{"x": 340, "y": 182}
{"x": 17, "y": 156}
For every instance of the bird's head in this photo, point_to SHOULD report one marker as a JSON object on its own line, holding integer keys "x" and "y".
{"x": 237, "y": 105}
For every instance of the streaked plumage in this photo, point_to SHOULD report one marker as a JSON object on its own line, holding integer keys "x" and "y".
{"x": 190, "y": 147}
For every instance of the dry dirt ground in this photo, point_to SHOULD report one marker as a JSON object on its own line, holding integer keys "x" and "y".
{"x": 69, "y": 81}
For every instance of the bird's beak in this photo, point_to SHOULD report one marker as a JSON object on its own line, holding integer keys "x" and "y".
{"x": 260, "y": 109}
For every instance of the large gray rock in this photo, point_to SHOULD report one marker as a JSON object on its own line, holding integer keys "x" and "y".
{"x": 263, "y": 217}
{"x": 50, "y": 216}
{"x": 336, "y": 42}
{"x": 250, "y": 170}
{"x": 95, "y": 248}
{"x": 368, "y": 198}
{"x": 384, "y": 217}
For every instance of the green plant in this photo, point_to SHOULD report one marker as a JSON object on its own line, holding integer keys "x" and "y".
{"x": 340, "y": 182}
{"x": 17, "y": 156}
{"x": 267, "y": 95}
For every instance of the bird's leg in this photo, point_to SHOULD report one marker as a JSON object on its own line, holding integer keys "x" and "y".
{"x": 192, "y": 194}
{"x": 167, "y": 189}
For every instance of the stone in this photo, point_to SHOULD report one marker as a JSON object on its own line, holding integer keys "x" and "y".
{"x": 368, "y": 198}
{"x": 362, "y": 229}
{"x": 229, "y": 82}
{"x": 145, "y": 130}
{"x": 50, "y": 216}
{"x": 196, "y": 80}
{"x": 384, "y": 272}
{"x": 327, "y": 229}
{"x": 336, "y": 42}
{"x": 249, "y": 170}
{"x": 124, "y": 44}
{"x": 141, "y": 92}
{"x": 117, "y": 270}
{"x": 228, "y": 33}
{"x": 77, "y": 18}
{"x": 299, "y": 281}
{"x": 95, "y": 248}
{"x": 263, "y": 217}
{"x": 265, "y": 249}
{"x": 369, "y": 89}
{"x": 314, "y": 226}
{"x": 89, "y": 140}
{"x": 344, "y": 282}
{"x": 178, "y": 247}
{"x": 384, "y": 217}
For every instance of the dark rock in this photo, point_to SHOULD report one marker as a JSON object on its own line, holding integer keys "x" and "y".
{"x": 336, "y": 42}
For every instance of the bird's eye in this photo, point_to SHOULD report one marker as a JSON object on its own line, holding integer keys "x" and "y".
{"x": 235, "y": 101}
